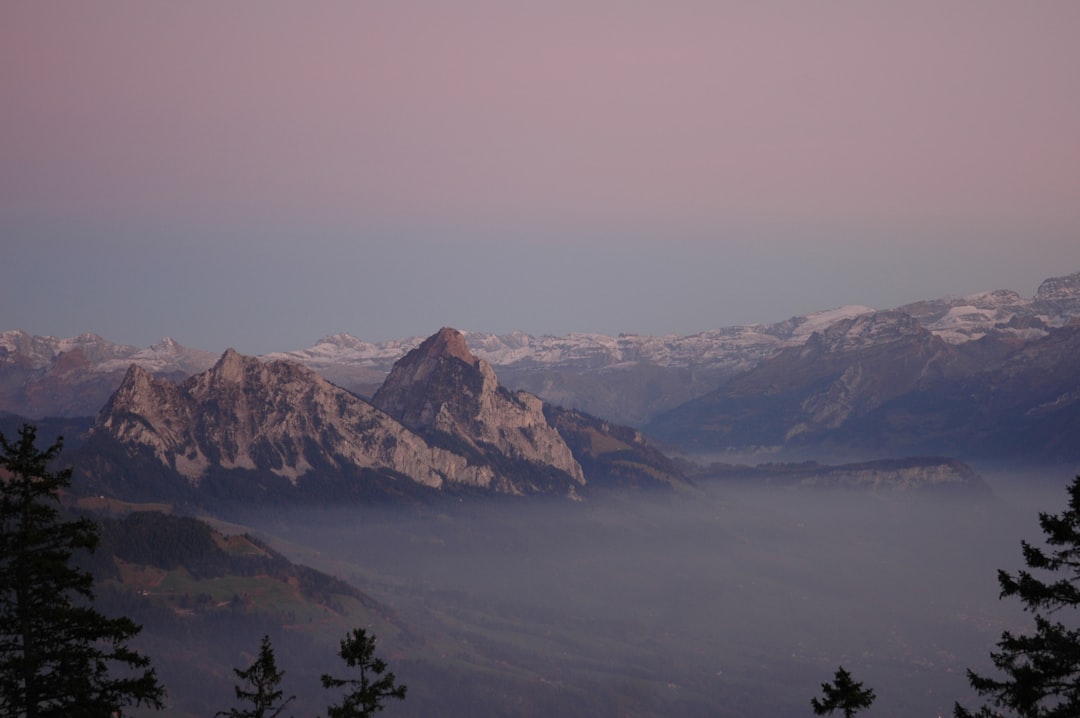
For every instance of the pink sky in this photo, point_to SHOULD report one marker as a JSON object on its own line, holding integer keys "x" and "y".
{"x": 718, "y": 127}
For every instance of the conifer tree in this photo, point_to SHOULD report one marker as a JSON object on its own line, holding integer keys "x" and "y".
{"x": 262, "y": 678}
{"x": 372, "y": 688}
{"x": 58, "y": 655}
{"x": 843, "y": 694}
{"x": 1042, "y": 669}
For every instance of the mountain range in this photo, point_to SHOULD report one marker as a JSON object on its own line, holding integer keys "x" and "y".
{"x": 883, "y": 384}
{"x": 253, "y": 430}
{"x": 986, "y": 375}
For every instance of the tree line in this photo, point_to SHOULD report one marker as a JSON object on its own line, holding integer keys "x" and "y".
{"x": 59, "y": 656}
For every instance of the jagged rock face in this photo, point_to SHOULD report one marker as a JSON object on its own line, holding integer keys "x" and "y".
{"x": 1058, "y": 289}
{"x": 867, "y": 330}
{"x": 441, "y": 388}
{"x": 278, "y": 417}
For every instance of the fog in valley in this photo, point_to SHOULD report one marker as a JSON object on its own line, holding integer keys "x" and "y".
{"x": 727, "y": 600}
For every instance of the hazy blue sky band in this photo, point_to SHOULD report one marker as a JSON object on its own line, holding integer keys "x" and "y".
{"x": 257, "y": 175}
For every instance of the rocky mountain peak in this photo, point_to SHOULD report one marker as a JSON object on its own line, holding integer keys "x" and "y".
{"x": 1060, "y": 288}
{"x": 230, "y": 367}
{"x": 872, "y": 329}
{"x": 135, "y": 381}
{"x": 441, "y": 373}
{"x": 167, "y": 344}
{"x": 447, "y": 342}
{"x": 269, "y": 418}
{"x": 252, "y": 423}
{"x": 441, "y": 389}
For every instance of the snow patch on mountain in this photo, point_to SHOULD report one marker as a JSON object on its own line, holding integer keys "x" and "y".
{"x": 345, "y": 349}
{"x": 42, "y": 352}
{"x": 728, "y": 348}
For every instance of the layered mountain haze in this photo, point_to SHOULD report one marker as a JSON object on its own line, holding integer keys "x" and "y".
{"x": 986, "y": 374}
{"x": 841, "y": 373}
{"x": 47, "y": 376}
{"x": 883, "y": 385}
{"x": 627, "y": 378}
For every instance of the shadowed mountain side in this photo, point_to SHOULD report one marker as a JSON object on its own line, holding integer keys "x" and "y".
{"x": 883, "y": 385}
{"x": 205, "y": 599}
{"x": 838, "y": 375}
{"x": 614, "y": 456}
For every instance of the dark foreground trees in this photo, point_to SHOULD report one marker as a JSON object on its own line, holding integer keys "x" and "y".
{"x": 261, "y": 680}
{"x": 58, "y": 655}
{"x": 368, "y": 692}
{"x": 844, "y": 695}
{"x": 365, "y": 697}
{"x": 1041, "y": 670}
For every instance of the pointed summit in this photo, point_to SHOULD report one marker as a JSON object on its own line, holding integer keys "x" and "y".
{"x": 440, "y": 371}
{"x": 442, "y": 391}
{"x": 229, "y": 357}
{"x": 136, "y": 381}
{"x": 447, "y": 342}
{"x": 446, "y": 345}
{"x": 230, "y": 368}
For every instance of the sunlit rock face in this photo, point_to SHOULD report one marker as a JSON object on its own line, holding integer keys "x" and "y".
{"x": 276, "y": 417}
{"x": 447, "y": 424}
{"x": 441, "y": 390}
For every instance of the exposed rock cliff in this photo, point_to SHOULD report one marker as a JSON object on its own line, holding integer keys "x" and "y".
{"x": 247, "y": 428}
{"x": 441, "y": 390}
{"x": 275, "y": 417}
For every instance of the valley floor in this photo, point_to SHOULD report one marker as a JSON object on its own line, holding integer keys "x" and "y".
{"x": 726, "y": 601}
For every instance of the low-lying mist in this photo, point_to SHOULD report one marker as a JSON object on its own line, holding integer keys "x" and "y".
{"x": 731, "y": 600}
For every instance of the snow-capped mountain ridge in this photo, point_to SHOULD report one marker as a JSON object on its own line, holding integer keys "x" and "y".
{"x": 974, "y": 316}
{"x": 42, "y": 352}
{"x": 627, "y": 377}
{"x": 954, "y": 319}
{"x": 519, "y": 349}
